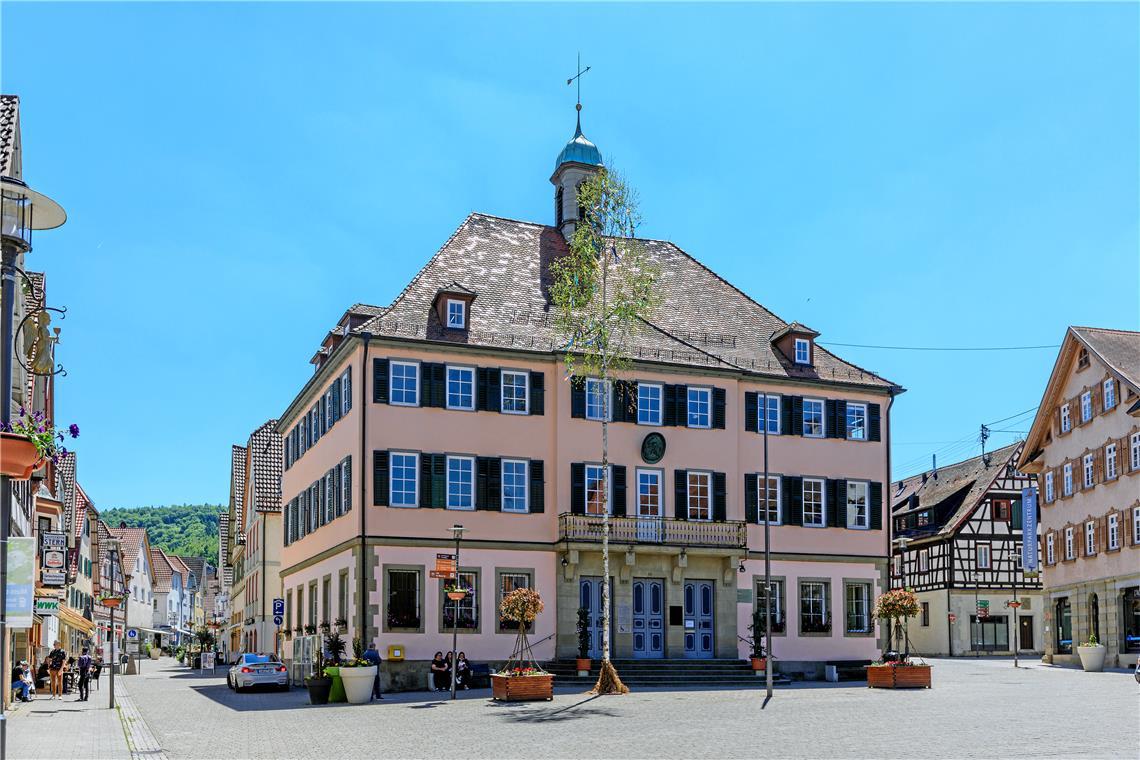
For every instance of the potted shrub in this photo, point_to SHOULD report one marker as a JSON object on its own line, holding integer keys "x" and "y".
{"x": 583, "y": 627}
{"x": 28, "y": 441}
{"x": 896, "y": 671}
{"x": 358, "y": 675}
{"x": 1092, "y": 654}
{"x": 759, "y": 660}
{"x": 521, "y": 678}
{"x": 325, "y": 628}
{"x": 310, "y": 629}
{"x": 318, "y": 683}
{"x": 341, "y": 625}
{"x": 334, "y": 649}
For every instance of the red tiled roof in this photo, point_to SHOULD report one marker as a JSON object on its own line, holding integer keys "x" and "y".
{"x": 237, "y": 482}
{"x": 163, "y": 572}
{"x": 133, "y": 539}
{"x": 266, "y": 457}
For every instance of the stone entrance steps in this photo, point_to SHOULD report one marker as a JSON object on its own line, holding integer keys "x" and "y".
{"x": 671, "y": 672}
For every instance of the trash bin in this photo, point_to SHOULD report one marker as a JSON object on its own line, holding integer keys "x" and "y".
{"x": 831, "y": 673}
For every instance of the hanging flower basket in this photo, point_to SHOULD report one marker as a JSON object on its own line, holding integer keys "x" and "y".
{"x": 456, "y": 596}
{"x": 521, "y": 678}
{"x": 18, "y": 456}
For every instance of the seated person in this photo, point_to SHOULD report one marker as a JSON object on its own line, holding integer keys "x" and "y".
{"x": 21, "y": 682}
{"x": 462, "y": 672}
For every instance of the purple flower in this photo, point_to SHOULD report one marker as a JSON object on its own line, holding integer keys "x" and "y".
{"x": 73, "y": 429}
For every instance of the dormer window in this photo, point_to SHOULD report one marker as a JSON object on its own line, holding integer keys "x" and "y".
{"x": 1083, "y": 358}
{"x": 456, "y": 314}
{"x": 803, "y": 351}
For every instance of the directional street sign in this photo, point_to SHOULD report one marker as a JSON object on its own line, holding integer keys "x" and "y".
{"x": 132, "y": 633}
{"x": 277, "y": 620}
{"x": 983, "y": 608}
{"x": 278, "y": 608}
{"x": 444, "y": 574}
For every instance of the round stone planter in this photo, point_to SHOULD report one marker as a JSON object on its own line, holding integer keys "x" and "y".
{"x": 1092, "y": 658}
{"x": 358, "y": 683}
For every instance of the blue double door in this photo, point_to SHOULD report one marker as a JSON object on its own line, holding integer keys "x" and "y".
{"x": 648, "y": 618}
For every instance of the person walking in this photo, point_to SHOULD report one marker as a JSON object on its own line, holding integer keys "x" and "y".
{"x": 55, "y": 660}
{"x": 84, "y": 675}
{"x": 372, "y": 656}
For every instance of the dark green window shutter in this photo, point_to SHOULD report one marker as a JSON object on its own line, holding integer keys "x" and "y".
{"x": 752, "y": 412}
{"x": 797, "y": 421}
{"x": 438, "y": 384}
{"x": 681, "y": 494}
{"x": 619, "y": 490}
{"x": 578, "y": 402}
{"x": 718, "y": 408}
{"x": 876, "y": 505}
{"x": 841, "y": 419}
{"x": 380, "y": 478}
{"x": 873, "y": 423}
{"x": 380, "y": 381}
{"x": 439, "y": 479}
{"x": 793, "y": 488}
{"x": 424, "y": 484}
{"x": 832, "y": 426}
{"x": 578, "y": 488}
{"x": 481, "y": 387}
{"x": 681, "y": 405}
{"x": 347, "y": 390}
{"x": 537, "y": 487}
{"x": 481, "y": 467}
{"x": 625, "y": 401}
{"x": 494, "y": 390}
{"x": 348, "y": 483}
{"x": 495, "y": 484}
{"x": 752, "y": 497}
{"x": 537, "y": 393}
{"x": 720, "y": 497}
{"x": 1015, "y": 514}
{"x": 669, "y": 405}
{"x": 334, "y": 413}
{"x": 786, "y": 416}
{"x": 837, "y": 503}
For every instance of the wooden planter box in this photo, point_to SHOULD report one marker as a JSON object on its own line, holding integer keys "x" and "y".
{"x": 902, "y": 677}
{"x": 522, "y": 688}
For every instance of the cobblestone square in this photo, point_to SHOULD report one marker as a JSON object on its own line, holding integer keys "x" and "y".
{"x": 977, "y": 708}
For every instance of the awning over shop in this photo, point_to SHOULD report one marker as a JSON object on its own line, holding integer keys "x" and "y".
{"x": 73, "y": 619}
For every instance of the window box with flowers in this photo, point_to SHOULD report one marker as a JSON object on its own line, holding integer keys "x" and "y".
{"x": 521, "y": 678}
{"x": 28, "y": 441}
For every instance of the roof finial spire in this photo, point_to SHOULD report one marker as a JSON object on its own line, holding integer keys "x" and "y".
{"x": 578, "y": 107}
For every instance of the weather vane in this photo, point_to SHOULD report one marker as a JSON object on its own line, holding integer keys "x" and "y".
{"x": 578, "y": 78}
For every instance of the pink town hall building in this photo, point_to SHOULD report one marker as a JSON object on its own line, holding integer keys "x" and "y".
{"x": 452, "y": 405}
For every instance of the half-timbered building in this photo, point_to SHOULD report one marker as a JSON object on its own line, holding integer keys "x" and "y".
{"x": 958, "y": 538}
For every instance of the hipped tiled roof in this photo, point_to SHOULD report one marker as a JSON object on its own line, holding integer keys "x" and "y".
{"x": 703, "y": 320}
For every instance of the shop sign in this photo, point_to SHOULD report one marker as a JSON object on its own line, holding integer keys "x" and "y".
{"x": 1029, "y": 528}
{"x": 47, "y": 606}
{"x": 20, "y": 583}
{"x": 54, "y": 559}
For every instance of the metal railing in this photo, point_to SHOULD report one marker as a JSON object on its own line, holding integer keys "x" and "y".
{"x": 729, "y": 534}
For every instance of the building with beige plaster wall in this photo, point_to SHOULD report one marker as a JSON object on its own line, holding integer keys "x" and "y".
{"x": 1084, "y": 447}
{"x": 453, "y": 405}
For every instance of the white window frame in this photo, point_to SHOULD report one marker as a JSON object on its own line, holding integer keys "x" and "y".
{"x": 847, "y": 424}
{"x": 459, "y": 458}
{"x": 447, "y": 390}
{"x": 923, "y": 560}
{"x": 655, "y": 475}
{"x": 805, "y": 345}
{"x": 689, "y": 401}
{"x": 852, "y": 522}
{"x": 1109, "y": 388}
{"x": 1070, "y": 546}
{"x": 1113, "y": 532}
{"x": 822, "y": 418}
{"x": 392, "y": 478}
{"x": 593, "y": 383}
{"x": 345, "y": 394}
{"x": 1049, "y": 492}
{"x": 699, "y": 475}
{"x": 1134, "y": 451}
{"x": 604, "y": 479}
{"x": 461, "y": 311}
{"x": 762, "y": 510}
{"x": 983, "y": 556}
{"x": 1087, "y": 470}
{"x": 1110, "y": 461}
{"x": 822, "y": 502}
{"x": 1050, "y": 552}
{"x": 525, "y": 486}
{"x": 862, "y": 605}
{"x": 1086, "y": 407}
{"x": 644, "y": 416}
{"x": 1067, "y": 479}
{"x": 1066, "y": 419}
{"x": 762, "y": 403}
{"x": 392, "y": 364}
{"x": 1090, "y": 539}
{"x": 1135, "y": 526}
{"x": 503, "y": 391}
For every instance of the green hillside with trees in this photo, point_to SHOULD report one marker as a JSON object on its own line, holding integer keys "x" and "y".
{"x": 187, "y": 529}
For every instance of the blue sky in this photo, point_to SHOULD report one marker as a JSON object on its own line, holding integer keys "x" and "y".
{"x": 236, "y": 175}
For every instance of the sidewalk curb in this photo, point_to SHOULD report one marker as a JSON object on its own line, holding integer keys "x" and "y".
{"x": 141, "y": 740}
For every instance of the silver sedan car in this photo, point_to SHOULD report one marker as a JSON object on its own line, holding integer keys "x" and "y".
{"x": 258, "y": 670}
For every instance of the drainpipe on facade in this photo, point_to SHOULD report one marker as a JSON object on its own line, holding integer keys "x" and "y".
{"x": 362, "y": 601}
{"x": 888, "y": 493}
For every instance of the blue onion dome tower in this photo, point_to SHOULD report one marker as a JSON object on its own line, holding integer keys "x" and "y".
{"x": 577, "y": 160}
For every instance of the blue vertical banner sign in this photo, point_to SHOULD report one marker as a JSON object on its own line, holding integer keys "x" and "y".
{"x": 1029, "y": 529}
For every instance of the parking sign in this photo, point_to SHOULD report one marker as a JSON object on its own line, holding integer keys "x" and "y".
{"x": 278, "y": 607}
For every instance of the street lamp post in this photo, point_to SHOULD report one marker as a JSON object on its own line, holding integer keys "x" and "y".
{"x": 977, "y": 626}
{"x": 21, "y": 211}
{"x": 903, "y": 542}
{"x": 457, "y": 531}
{"x": 770, "y": 662}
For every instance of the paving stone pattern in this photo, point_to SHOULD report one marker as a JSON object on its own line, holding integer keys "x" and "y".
{"x": 977, "y": 708}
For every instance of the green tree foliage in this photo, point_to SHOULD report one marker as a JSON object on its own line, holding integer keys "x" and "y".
{"x": 189, "y": 530}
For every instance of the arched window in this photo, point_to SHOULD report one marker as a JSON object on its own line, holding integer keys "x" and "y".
{"x": 558, "y": 206}
{"x": 1094, "y": 617}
